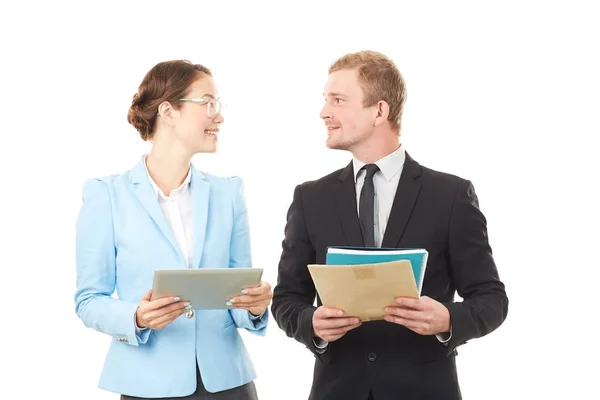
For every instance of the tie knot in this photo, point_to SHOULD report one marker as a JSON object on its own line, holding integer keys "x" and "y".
{"x": 370, "y": 169}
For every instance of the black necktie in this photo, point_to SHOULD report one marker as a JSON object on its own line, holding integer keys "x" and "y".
{"x": 366, "y": 208}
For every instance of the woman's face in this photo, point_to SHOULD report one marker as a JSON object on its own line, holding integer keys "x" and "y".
{"x": 197, "y": 121}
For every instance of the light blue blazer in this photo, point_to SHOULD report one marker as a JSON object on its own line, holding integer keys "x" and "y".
{"x": 122, "y": 237}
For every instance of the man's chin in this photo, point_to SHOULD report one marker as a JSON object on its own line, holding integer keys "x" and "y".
{"x": 335, "y": 145}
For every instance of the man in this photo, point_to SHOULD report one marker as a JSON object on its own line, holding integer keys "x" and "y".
{"x": 384, "y": 198}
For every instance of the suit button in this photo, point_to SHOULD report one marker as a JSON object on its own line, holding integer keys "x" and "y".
{"x": 372, "y": 357}
{"x": 189, "y": 313}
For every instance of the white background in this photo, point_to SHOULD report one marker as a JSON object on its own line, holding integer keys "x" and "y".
{"x": 505, "y": 95}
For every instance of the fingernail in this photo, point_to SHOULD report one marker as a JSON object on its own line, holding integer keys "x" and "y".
{"x": 228, "y": 303}
{"x": 355, "y": 321}
{"x": 187, "y": 304}
{"x": 232, "y": 301}
{"x": 244, "y": 291}
{"x": 339, "y": 313}
{"x": 177, "y": 299}
{"x": 188, "y": 307}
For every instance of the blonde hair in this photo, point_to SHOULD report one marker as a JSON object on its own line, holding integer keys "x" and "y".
{"x": 379, "y": 79}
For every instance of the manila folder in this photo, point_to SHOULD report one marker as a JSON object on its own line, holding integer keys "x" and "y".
{"x": 364, "y": 290}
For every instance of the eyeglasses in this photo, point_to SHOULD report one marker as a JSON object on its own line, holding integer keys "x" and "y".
{"x": 214, "y": 106}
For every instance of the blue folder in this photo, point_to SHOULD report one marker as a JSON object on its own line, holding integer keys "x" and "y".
{"x": 345, "y": 255}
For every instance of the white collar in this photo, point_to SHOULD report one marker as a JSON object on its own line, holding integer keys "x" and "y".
{"x": 388, "y": 165}
{"x": 177, "y": 192}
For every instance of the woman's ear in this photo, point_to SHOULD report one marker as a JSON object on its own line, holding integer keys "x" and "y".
{"x": 165, "y": 112}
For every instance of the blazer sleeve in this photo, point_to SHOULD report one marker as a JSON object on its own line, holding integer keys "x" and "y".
{"x": 240, "y": 256}
{"x": 96, "y": 270}
{"x": 473, "y": 270}
{"x": 294, "y": 294}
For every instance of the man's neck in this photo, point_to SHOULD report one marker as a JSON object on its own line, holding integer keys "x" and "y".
{"x": 371, "y": 151}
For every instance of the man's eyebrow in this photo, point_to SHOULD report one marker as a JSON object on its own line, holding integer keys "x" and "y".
{"x": 334, "y": 94}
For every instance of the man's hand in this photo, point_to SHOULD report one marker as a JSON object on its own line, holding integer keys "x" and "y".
{"x": 330, "y": 324}
{"x": 424, "y": 316}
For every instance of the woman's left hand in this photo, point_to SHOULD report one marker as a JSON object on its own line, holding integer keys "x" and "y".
{"x": 255, "y": 299}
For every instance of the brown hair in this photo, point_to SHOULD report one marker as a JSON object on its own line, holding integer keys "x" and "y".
{"x": 379, "y": 79}
{"x": 166, "y": 81}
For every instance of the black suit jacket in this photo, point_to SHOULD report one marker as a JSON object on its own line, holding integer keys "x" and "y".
{"x": 434, "y": 210}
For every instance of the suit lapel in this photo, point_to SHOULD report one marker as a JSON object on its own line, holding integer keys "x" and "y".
{"x": 200, "y": 198}
{"x": 149, "y": 200}
{"x": 408, "y": 190}
{"x": 345, "y": 196}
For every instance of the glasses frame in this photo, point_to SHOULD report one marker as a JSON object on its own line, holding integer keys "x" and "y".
{"x": 214, "y": 105}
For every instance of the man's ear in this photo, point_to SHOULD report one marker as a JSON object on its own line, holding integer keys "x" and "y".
{"x": 383, "y": 111}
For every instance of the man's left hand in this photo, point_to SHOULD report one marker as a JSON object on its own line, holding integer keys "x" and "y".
{"x": 424, "y": 315}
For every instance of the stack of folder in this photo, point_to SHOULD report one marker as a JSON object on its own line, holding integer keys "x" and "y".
{"x": 363, "y": 281}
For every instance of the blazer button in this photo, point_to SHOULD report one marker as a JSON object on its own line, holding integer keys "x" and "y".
{"x": 372, "y": 357}
{"x": 189, "y": 313}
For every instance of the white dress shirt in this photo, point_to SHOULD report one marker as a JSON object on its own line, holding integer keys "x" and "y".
{"x": 385, "y": 182}
{"x": 177, "y": 208}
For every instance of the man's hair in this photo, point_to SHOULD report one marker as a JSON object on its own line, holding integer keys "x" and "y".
{"x": 379, "y": 78}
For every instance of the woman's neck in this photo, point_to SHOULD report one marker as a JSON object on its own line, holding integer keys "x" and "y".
{"x": 167, "y": 169}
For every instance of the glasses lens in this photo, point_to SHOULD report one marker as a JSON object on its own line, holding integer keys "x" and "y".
{"x": 214, "y": 108}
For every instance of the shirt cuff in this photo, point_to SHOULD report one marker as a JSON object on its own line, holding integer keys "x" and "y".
{"x": 320, "y": 344}
{"x": 444, "y": 337}
{"x": 138, "y": 330}
{"x": 255, "y": 317}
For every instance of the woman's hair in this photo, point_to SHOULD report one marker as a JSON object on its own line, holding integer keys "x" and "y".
{"x": 166, "y": 81}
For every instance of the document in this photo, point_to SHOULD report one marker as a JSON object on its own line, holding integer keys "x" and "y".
{"x": 359, "y": 255}
{"x": 362, "y": 282}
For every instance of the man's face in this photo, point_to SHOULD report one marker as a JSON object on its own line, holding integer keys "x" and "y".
{"x": 348, "y": 122}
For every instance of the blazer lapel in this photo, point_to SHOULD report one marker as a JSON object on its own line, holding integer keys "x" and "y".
{"x": 200, "y": 197}
{"x": 345, "y": 196}
{"x": 408, "y": 190}
{"x": 147, "y": 196}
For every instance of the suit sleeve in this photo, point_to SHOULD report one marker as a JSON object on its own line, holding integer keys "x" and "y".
{"x": 240, "y": 256}
{"x": 96, "y": 270}
{"x": 294, "y": 294}
{"x": 474, "y": 273}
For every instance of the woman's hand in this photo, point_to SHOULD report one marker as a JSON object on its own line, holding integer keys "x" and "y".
{"x": 158, "y": 313}
{"x": 255, "y": 299}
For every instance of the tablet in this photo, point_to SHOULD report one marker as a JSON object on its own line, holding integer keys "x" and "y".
{"x": 204, "y": 288}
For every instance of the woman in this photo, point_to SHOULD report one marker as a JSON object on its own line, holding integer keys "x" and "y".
{"x": 164, "y": 213}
